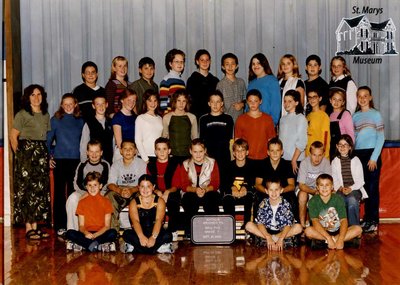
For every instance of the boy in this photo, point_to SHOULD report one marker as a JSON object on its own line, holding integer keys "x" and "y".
{"x": 276, "y": 166}
{"x": 94, "y": 214}
{"x": 93, "y": 163}
{"x": 98, "y": 128}
{"x": 164, "y": 173}
{"x": 316, "y": 82}
{"x": 175, "y": 64}
{"x": 88, "y": 90}
{"x": 318, "y": 123}
{"x": 275, "y": 222}
{"x": 239, "y": 188}
{"x": 255, "y": 127}
{"x": 123, "y": 180}
{"x": 328, "y": 216}
{"x": 146, "y": 73}
{"x": 310, "y": 168}
{"x": 232, "y": 87}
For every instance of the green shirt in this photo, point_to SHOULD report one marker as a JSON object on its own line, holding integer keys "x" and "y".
{"x": 32, "y": 127}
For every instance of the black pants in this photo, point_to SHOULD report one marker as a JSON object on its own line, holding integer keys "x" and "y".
{"x": 79, "y": 238}
{"x": 229, "y": 203}
{"x": 173, "y": 206}
{"x": 131, "y": 237}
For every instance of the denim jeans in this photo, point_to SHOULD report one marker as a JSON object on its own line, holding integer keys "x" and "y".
{"x": 352, "y": 206}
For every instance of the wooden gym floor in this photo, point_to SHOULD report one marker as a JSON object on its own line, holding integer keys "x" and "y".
{"x": 47, "y": 262}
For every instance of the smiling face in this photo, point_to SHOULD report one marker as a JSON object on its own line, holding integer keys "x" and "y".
{"x": 313, "y": 99}
{"x": 313, "y": 69}
{"x": 147, "y": 71}
{"x": 324, "y": 187}
{"x": 100, "y": 105}
{"x": 343, "y": 147}
{"x": 93, "y": 187}
{"x": 178, "y": 63}
{"x": 151, "y": 104}
{"x": 68, "y": 104}
{"x": 198, "y": 153}
{"x": 274, "y": 191}
{"x": 364, "y": 99}
{"x": 128, "y": 151}
{"x": 287, "y": 66}
{"x": 337, "y": 67}
{"x": 257, "y": 68}
{"x": 35, "y": 99}
{"x": 216, "y": 104}
{"x": 121, "y": 69}
{"x": 129, "y": 102}
{"x": 230, "y": 66}
{"x": 90, "y": 75}
{"x": 146, "y": 188}
{"x": 290, "y": 104}
{"x": 204, "y": 62}
{"x": 94, "y": 153}
{"x": 240, "y": 153}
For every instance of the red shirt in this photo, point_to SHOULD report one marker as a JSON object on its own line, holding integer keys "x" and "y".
{"x": 94, "y": 209}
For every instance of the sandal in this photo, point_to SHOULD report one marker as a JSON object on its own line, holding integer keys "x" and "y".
{"x": 32, "y": 235}
{"x": 42, "y": 234}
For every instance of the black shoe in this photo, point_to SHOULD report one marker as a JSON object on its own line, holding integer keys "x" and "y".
{"x": 318, "y": 244}
{"x": 354, "y": 243}
{"x": 370, "y": 227}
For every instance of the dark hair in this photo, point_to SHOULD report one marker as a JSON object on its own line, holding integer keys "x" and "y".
{"x": 198, "y": 141}
{"x": 26, "y": 103}
{"x": 216, "y": 93}
{"x": 317, "y": 144}
{"x": 198, "y": 54}
{"x": 226, "y": 56}
{"x": 94, "y": 142}
{"x": 175, "y": 96}
{"x": 346, "y": 70}
{"x": 273, "y": 179}
{"x": 264, "y": 63}
{"x": 371, "y": 103}
{"x": 316, "y": 58}
{"x": 59, "y": 114}
{"x": 162, "y": 140}
{"x": 92, "y": 176}
{"x": 115, "y": 59}
{"x": 253, "y": 92}
{"x": 98, "y": 95}
{"x": 147, "y": 177}
{"x": 146, "y": 60}
{"x": 296, "y": 97}
{"x": 124, "y": 141}
{"x": 275, "y": 140}
{"x": 86, "y": 65}
{"x": 314, "y": 90}
{"x": 240, "y": 143}
{"x": 169, "y": 57}
{"x": 324, "y": 176}
{"x": 146, "y": 96}
{"x": 349, "y": 140}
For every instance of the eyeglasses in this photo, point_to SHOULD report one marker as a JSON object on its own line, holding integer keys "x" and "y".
{"x": 312, "y": 97}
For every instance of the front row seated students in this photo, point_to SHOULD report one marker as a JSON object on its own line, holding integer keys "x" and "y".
{"x": 275, "y": 221}
{"x": 94, "y": 213}
{"x": 276, "y": 166}
{"x": 93, "y": 163}
{"x": 147, "y": 212}
{"x": 312, "y": 166}
{"x": 328, "y": 217}
{"x": 200, "y": 183}
{"x": 239, "y": 188}
{"x": 123, "y": 180}
{"x": 166, "y": 176}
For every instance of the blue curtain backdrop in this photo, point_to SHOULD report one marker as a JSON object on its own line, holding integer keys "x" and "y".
{"x": 59, "y": 35}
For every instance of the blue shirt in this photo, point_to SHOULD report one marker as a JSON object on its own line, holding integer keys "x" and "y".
{"x": 283, "y": 217}
{"x": 127, "y": 124}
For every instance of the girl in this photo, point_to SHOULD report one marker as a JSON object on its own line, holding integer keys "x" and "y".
{"x": 370, "y": 136}
{"x": 123, "y": 122}
{"x": 63, "y": 144}
{"x": 117, "y": 84}
{"x": 262, "y": 79}
{"x": 31, "y": 171}
{"x": 341, "y": 121}
{"x": 293, "y": 129}
{"x": 180, "y": 126}
{"x": 341, "y": 77}
{"x": 348, "y": 178}
{"x": 201, "y": 83}
{"x": 200, "y": 183}
{"x": 148, "y": 126}
{"x": 289, "y": 78}
{"x": 147, "y": 212}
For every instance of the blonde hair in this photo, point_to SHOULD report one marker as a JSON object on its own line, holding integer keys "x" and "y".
{"x": 296, "y": 72}
{"x": 114, "y": 63}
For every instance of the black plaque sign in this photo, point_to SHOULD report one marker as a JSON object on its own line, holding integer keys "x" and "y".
{"x": 213, "y": 229}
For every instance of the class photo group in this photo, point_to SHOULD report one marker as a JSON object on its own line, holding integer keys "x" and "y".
{"x": 300, "y": 156}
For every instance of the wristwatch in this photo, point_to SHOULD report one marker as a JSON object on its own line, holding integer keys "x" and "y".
{"x": 154, "y": 236}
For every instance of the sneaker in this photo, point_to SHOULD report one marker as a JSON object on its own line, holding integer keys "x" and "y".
{"x": 318, "y": 244}
{"x": 175, "y": 236}
{"x": 113, "y": 248}
{"x": 61, "y": 232}
{"x": 106, "y": 247}
{"x": 354, "y": 243}
{"x": 370, "y": 228}
{"x": 165, "y": 248}
{"x": 126, "y": 247}
{"x": 260, "y": 242}
{"x": 288, "y": 242}
{"x": 69, "y": 245}
{"x": 78, "y": 247}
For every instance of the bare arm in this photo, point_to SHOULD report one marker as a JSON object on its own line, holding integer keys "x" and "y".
{"x": 14, "y": 134}
{"x": 117, "y": 135}
{"x": 303, "y": 187}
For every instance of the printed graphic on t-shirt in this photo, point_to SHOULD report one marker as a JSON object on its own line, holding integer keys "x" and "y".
{"x": 329, "y": 219}
{"x": 129, "y": 179}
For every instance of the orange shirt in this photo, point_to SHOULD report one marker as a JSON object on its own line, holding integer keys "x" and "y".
{"x": 94, "y": 209}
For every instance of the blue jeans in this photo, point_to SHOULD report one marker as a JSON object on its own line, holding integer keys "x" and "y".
{"x": 352, "y": 206}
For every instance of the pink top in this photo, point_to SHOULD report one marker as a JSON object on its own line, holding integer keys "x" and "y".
{"x": 345, "y": 124}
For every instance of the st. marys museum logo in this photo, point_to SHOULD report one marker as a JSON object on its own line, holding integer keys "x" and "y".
{"x": 366, "y": 40}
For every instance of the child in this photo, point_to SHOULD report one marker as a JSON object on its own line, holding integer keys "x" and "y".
{"x": 289, "y": 78}
{"x": 318, "y": 124}
{"x": 275, "y": 222}
{"x": 89, "y": 89}
{"x": 63, "y": 144}
{"x": 370, "y": 137}
{"x": 180, "y": 126}
{"x": 216, "y": 129}
{"x": 123, "y": 121}
{"x": 312, "y": 166}
{"x": 94, "y": 162}
{"x": 275, "y": 166}
{"x": 341, "y": 77}
{"x": 148, "y": 126}
{"x": 293, "y": 129}
{"x": 123, "y": 180}
{"x": 200, "y": 183}
{"x": 233, "y": 88}
{"x": 239, "y": 188}
{"x": 166, "y": 177}
{"x": 348, "y": 178}
{"x": 94, "y": 214}
{"x": 201, "y": 83}
{"x": 175, "y": 64}
{"x": 262, "y": 79}
{"x": 147, "y": 212}
{"x": 341, "y": 120}
{"x": 255, "y": 127}
{"x": 328, "y": 216}
{"x": 146, "y": 73}
{"x": 315, "y": 81}
{"x": 98, "y": 128}
{"x": 117, "y": 84}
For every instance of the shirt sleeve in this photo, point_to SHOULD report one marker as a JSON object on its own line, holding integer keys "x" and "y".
{"x": 351, "y": 96}
{"x": 85, "y": 137}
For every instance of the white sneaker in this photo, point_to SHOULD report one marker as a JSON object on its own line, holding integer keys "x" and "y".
{"x": 78, "y": 247}
{"x": 165, "y": 248}
{"x": 69, "y": 245}
{"x": 175, "y": 236}
{"x": 112, "y": 247}
{"x": 126, "y": 247}
{"x": 106, "y": 247}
